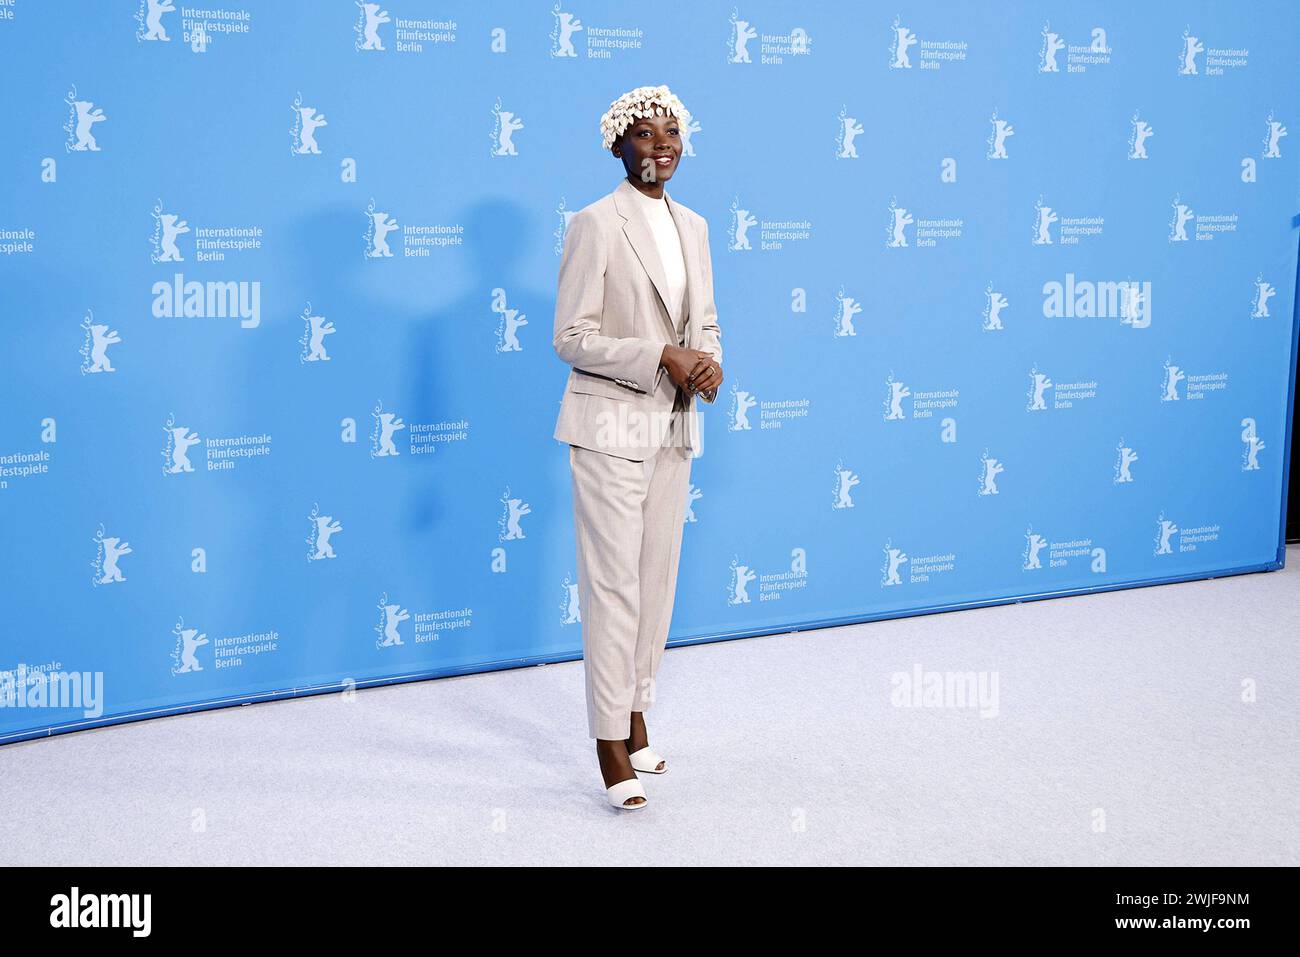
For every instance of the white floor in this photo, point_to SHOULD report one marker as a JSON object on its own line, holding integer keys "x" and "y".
{"x": 1120, "y": 737}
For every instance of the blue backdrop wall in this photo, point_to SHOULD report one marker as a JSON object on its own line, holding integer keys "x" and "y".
{"x": 1007, "y": 294}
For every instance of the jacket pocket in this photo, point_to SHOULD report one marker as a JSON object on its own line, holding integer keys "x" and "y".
{"x": 589, "y": 384}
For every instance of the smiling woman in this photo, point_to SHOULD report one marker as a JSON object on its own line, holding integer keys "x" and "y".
{"x": 636, "y": 321}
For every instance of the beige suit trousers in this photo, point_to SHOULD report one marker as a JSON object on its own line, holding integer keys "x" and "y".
{"x": 628, "y": 519}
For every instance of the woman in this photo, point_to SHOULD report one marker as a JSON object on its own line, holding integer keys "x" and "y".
{"x": 636, "y": 321}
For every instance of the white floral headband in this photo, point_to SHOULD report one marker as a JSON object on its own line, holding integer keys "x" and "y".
{"x": 638, "y": 103}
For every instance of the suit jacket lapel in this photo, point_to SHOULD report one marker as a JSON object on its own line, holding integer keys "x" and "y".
{"x": 637, "y": 230}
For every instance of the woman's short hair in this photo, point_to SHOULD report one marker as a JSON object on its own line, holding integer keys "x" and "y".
{"x": 634, "y": 104}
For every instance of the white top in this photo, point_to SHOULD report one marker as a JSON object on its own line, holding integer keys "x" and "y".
{"x": 669, "y": 244}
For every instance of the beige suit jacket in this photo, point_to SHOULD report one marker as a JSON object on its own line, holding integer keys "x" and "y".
{"x": 612, "y": 323}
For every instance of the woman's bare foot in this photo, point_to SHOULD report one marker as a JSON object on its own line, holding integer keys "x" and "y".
{"x": 639, "y": 738}
{"x": 615, "y": 766}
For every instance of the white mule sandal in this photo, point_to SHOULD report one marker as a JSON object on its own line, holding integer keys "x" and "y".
{"x": 624, "y": 791}
{"x": 648, "y": 761}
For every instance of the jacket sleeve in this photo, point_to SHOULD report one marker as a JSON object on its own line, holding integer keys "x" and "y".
{"x": 579, "y": 302}
{"x": 710, "y": 333}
